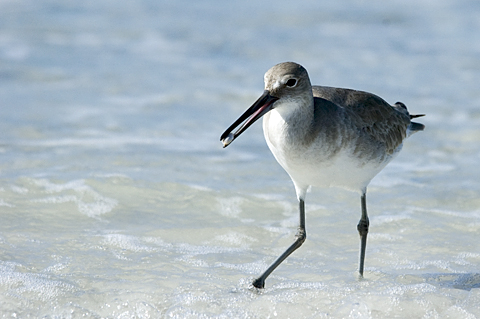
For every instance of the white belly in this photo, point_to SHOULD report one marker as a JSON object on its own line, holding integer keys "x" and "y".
{"x": 342, "y": 170}
{"x": 313, "y": 165}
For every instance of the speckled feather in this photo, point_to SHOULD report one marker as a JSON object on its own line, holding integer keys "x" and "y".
{"x": 367, "y": 113}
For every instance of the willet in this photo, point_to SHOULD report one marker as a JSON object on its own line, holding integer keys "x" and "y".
{"x": 325, "y": 136}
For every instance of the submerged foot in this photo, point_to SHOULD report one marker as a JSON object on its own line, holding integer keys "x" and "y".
{"x": 259, "y": 283}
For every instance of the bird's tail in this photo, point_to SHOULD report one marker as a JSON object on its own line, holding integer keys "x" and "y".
{"x": 414, "y": 126}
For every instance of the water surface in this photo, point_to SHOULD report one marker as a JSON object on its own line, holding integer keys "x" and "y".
{"x": 117, "y": 199}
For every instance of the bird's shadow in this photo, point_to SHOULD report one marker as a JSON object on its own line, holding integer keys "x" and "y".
{"x": 466, "y": 281}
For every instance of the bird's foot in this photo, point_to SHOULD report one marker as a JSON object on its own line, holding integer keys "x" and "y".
{"x": 259, "y": 283}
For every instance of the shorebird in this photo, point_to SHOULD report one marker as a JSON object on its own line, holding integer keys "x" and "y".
{"x": 326, "y": 137}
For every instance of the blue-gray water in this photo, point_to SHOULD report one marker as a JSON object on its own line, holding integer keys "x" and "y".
{"x": 118, "y": 201}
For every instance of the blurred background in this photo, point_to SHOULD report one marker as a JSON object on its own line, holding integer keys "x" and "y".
{"x": 117, "y": 199}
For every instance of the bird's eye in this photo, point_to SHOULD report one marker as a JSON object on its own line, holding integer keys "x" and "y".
{"x": 291, "y": 83}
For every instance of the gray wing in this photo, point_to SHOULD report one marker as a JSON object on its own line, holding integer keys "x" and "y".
{"x": 370, "y": 114}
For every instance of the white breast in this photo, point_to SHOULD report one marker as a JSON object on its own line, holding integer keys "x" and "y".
{"x": 311, "y": 165}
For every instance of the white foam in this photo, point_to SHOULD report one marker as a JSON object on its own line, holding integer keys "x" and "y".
{"x": 230, "y": 207}
{"x": 42, "y": 287}
{"x": 18, "y": 189}
{"x": 387, "y": 219}
{"x": 234, "y": 239}
{"x": 125, "y": 242}
{"x": 89, "y": 202}
{"x": 5, "y": 204}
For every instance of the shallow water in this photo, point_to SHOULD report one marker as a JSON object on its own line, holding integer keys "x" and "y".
{"x": 118, "y": 201}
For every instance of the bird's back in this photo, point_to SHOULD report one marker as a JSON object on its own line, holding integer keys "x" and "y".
{"x": 367, "y": 114}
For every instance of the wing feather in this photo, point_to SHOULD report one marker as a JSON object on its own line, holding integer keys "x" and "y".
{"x": 370, "y": 114}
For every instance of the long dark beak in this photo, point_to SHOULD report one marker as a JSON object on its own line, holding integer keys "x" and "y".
{"x": 254, "y": 112}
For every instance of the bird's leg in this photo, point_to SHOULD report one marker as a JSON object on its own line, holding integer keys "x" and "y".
{"x": 363, "y": 231}
{"x": 299, "y": 239}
